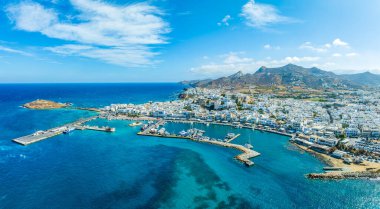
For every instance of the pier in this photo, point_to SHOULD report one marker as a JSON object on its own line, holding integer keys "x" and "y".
{"x": 41, "y": 135}
{"x": 244, "y": 157}
{"x": 95, "y": 128}
{"x": 150, "y": 127}
{"x": 233, "y": 138}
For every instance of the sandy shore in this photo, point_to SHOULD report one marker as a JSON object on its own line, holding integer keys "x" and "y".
{"x": 331, "y": 161}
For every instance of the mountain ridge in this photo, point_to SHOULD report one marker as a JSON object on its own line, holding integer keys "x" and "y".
{"x": 292, "y": 75}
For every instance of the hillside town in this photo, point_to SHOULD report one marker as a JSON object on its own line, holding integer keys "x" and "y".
{"x": 346, "y": 127}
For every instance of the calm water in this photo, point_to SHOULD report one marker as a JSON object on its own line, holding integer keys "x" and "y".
{"x": 87, "y": 169}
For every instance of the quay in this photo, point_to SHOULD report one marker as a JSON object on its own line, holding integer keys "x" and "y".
{"x": 95, "y": 128}
{"x": 145, "y": 118}
{"x": 228, "y": 124}
{"x": 41, "y": 135}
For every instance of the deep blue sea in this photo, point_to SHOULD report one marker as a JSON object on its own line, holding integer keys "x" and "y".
{"x": 88, "y": 169}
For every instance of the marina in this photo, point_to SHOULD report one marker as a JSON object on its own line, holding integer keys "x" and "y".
{"x": 197, "y": 136}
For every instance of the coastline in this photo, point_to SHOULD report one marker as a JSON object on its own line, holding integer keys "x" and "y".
{"x": 366, "y": 169}
{"x": 348, "y": 171}
{"x": 363, "y": 170}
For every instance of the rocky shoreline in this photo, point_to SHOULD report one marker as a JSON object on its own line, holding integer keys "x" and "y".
{"x": 345, "y": 175}
{"x": 41, "y": 104}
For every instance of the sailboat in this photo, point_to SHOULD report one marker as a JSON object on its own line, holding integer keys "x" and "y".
{"x": 248, "y": 145}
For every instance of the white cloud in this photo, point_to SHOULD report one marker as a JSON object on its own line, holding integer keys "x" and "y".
{"x": 352, "y": 54}
{"x": 131, "y": 56}
{"x": 340, "y": 43}
{"x": 308, "y": 45}
{"x": 112, "y": 33}
{"x": 225, "y": 21}
{"x": 261, "y": 15}
{"x": 31, "y": 16}
{"x": 324, "y": 48}
{"x": 14, "y": 51}
{"x": 300, "y": 59}
{"x": 337, "y": 55}
{"x": 234, "y": 58}
{"x": 233, "y": 62}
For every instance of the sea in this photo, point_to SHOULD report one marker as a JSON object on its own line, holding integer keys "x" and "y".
{"x": 89, "y": 169}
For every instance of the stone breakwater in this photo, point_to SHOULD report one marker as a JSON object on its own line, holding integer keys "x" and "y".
{"x": 345, "y": 175}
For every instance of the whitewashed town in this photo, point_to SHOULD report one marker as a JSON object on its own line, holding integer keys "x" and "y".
{"x": 346, "y": 127}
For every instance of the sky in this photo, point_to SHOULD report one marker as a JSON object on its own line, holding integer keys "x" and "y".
{"x": 64, "y": 41}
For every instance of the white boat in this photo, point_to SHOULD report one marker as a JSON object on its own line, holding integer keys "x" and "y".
{"x": 230, "y": 135}
{"x": 68, "y": 130}
{"x": 249, "y": 146}
{"x": 135, "y": 124}
{"x": 183, "y": 133}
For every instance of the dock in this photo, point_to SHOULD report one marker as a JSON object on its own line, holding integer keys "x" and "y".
{"x": 41, "y": 135}
{"x": 95, "y": 128}
{"x": 244, "y": 157}
{"x": 153, "y": 125}
{"x": 233, "y": 138}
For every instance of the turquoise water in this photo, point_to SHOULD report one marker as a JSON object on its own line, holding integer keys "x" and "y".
{"x": 87, "y": 169}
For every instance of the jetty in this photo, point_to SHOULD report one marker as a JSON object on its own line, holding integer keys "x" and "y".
{"x": 345, "y": 175}
{"x": 244, "y": 157}
{"x": 233, "y": 138}
{"x": 76, "y": 125}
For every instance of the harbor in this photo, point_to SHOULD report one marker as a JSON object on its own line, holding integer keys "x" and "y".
{"x": 77, "y": 125}
{"x": 196, "y": 135}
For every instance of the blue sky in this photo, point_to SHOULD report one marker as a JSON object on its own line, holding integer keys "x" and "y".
{"x": 173, "y": 40}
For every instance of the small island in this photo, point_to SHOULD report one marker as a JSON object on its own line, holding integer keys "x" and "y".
{"x": 41, "y": 104}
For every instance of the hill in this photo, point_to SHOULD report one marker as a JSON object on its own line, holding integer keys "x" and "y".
{"x": 364, "y": 79}
{"x": 288, "y": 75}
